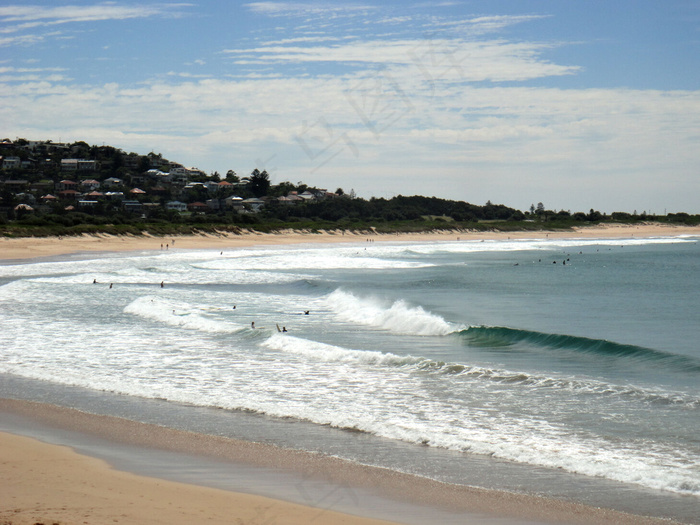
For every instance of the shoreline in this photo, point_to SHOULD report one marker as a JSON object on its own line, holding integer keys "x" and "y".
{"x": 39, "y": 247}
{"x": 35, "y": 497}
{"x": 29, "y": 483}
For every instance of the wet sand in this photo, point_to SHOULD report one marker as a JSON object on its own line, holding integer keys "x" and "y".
{"x": 45, "y": 483}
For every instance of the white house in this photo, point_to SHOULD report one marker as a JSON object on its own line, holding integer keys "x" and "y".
{"x": 89, "y": 185}
{"x": 112, "y": 182}
{"x": 9, "y": 163}
{"x": 176, "y": 205}
{"x": 254, "y": 204}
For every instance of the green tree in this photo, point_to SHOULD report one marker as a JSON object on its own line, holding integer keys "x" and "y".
{"x": 259, "y": 182}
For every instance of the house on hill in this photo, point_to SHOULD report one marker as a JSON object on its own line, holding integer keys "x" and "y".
{"x": 176, "y": 206}
{"x": 11, "y": 163}
{"x": 89, "y": 185}
{"x": 112, "y": 182}
{"x": 66, "y": 185}
{"x": 197, "y": 207}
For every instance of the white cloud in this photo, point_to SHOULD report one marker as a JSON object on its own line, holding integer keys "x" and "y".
{"x": 89, "y": 13}
{"x": 305, "y": 40}
{"x": 302, "y": 9}
{"x": 22, "y": 18}
{"x": 437, "y": 59}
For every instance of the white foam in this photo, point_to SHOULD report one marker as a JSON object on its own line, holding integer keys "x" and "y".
{"x": 177, "y": 314}
{"x": 331, "y": 353}
{"x": 398, "y": 317}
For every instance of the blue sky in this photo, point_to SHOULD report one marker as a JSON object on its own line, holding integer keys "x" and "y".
{"x": 577, "y": 105}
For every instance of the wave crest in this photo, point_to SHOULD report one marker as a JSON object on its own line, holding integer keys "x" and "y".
{"x": 499, "y": 336}
{"x": 399, "y": 317}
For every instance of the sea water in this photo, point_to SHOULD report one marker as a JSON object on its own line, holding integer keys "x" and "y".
{"x": 567, "y": 368}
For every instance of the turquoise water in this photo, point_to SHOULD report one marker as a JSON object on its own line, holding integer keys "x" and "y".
{"x": 561, "y": 367}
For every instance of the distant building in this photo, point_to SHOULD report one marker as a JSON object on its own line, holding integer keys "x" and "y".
{"x": 89, "y": 185}
{"x": 176, "y": 206}
{"x": 112, "y": 182}
{"x": 132, "y": 206}
{"x": 255, "y": 205}
{"x": 66, "y": 185}
{"x": 114, "y": 195}
{"x": 68, "y": 194}
{"x": 11, "y": 163}
{"x": 69, "y": 164}
{"x": 197, "y": 207}
{"x": 214, "y": 204}
{"x": 78, "y": 165}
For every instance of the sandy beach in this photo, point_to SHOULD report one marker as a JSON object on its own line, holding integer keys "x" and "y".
{"x": 52, "y": 484}
{"x": 31, "y": 247}
{"x": 47, "y": 483}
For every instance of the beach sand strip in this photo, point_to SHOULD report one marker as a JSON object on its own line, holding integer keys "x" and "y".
{"x": 52, "y": 484}
{"x": 32, "y": 247}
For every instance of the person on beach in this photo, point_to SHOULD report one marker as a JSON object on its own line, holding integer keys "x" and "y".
{"x": 162, "y": 284}
{"x": 252, "y": 325}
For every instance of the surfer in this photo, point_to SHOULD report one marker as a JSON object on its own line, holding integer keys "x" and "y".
{"x": 252, "y": 325}
{"x": 162, "y": 284}
{"x": 306, "y": 312}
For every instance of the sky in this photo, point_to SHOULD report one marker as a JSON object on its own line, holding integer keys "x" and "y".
{"x": 576, "y": 104}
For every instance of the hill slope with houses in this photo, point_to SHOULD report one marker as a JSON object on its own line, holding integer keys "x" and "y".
{"x": 53, "y": 188}
{"x": 47, "y": 177}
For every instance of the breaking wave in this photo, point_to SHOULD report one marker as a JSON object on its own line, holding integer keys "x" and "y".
{"x": 398, "y": 317}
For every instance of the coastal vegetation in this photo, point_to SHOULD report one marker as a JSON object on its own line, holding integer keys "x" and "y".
{"x": 53, "y": 189}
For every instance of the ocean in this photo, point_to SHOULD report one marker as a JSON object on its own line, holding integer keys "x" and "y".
{"x": 567, "y": 368}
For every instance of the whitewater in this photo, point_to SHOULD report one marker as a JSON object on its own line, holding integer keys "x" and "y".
{"x": 567, "y": 368}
